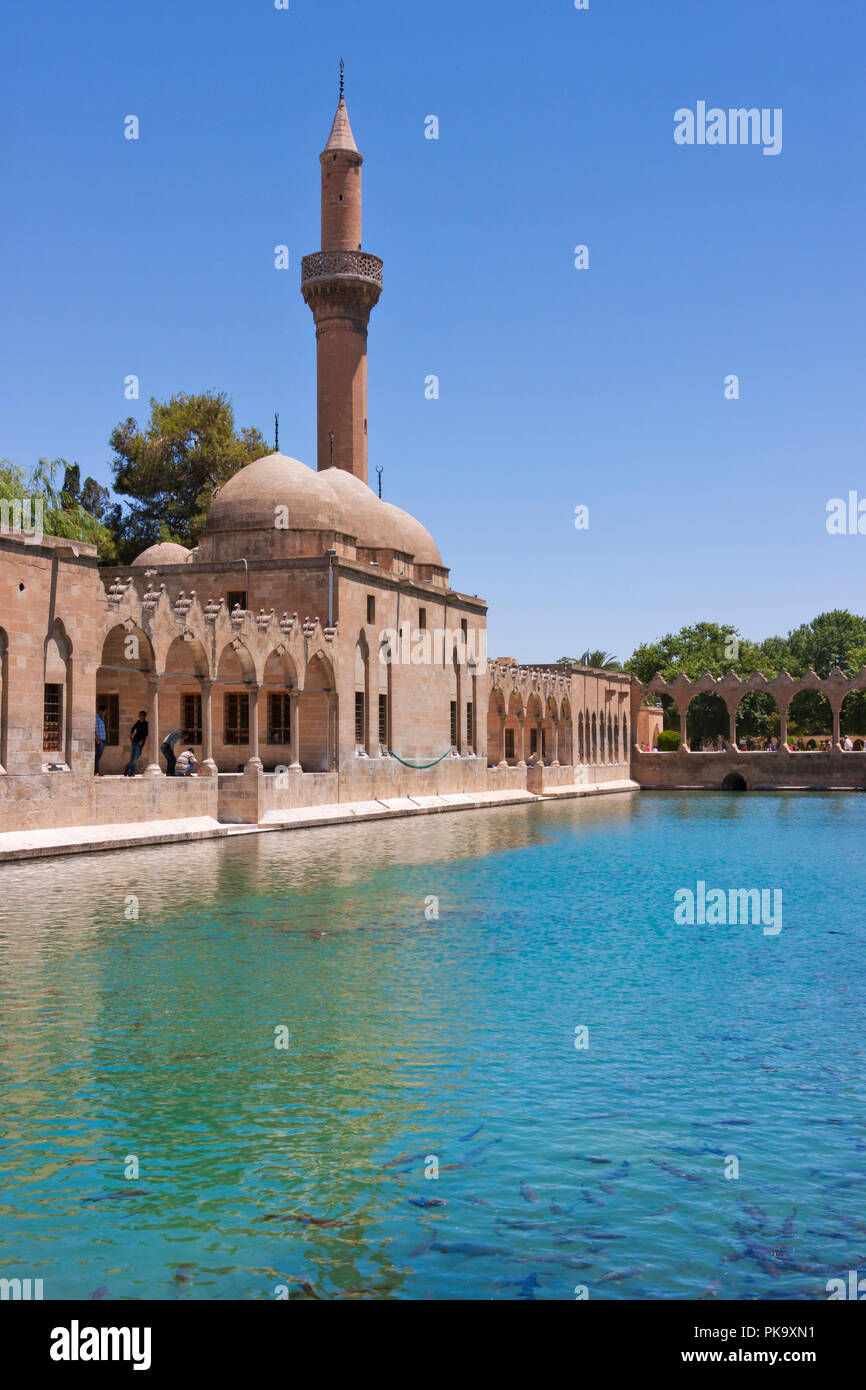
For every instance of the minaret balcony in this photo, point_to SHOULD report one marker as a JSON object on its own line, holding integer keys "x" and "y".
{"x": 341, "y": 265}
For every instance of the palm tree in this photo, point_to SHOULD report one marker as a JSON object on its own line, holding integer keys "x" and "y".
{"x": 598, "y": 660}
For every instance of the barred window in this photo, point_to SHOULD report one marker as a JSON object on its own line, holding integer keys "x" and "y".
{"x": 383, "y": 720}
{"x": 509, "y": 743}
{"x": 52, "y": 718}
{"x": 237, "y": 718}
{"x": 470, "y": 722}
{"x": 453, "y": 723}
{"x": 190, "y": 708}
{"x": 279, "y": 717}
{"x": 112, "y": 721}
{"x": 359, "y": 716}
{"x": 371, "y": 608}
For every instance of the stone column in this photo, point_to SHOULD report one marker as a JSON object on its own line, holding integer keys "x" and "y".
{"x": 732, "y": 717}
{"x": 836, "y": 707}
{"x": 555, "y": 761}
{"x": 683, "y": 734}
{"x": 253, "y": 697}
{"x": 295, "y": 731}
{"x": 153, "y": 768}
{"x": 521, "y": 740}
{"x": 208, "y": 766}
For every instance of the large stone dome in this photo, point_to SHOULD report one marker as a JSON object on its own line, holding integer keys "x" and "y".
{"x": 164, "y": 553}
{"x": 331, "y": 501}
{"x": 249, "y": 500}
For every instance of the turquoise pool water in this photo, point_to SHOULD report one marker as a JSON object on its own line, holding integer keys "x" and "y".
{"x": 412, "y": 1037}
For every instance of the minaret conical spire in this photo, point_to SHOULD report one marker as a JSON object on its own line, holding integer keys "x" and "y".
{"x": 341, "y": 137}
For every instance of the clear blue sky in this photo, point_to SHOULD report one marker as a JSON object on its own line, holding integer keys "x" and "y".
{"x": 558, "y": 387}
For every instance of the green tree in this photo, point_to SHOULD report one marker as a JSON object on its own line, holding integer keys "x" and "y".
{"x": 63, "y": 514}
{"x": 174, "y": 467}
{"x": 692, "y": 652}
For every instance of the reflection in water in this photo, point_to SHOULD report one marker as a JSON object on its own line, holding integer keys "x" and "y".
{"x": 143, "y": 993}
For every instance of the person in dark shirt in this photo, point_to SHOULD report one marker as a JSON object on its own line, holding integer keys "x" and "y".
{"x": 138, "y": 735}
{"x": 167, "y": 750}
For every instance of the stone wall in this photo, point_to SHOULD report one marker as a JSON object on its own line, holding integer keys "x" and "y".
{"x": 761, "y": 771}
{"x": 53, "y": 800}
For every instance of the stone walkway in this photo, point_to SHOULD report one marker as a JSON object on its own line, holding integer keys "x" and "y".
{"x": 83, "y": 839}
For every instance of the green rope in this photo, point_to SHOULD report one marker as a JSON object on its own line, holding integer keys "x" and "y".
{"x": 417, "y": 767}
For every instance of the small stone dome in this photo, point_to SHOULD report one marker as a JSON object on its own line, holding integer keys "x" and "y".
{"x": 164, "y": 553}
{"x": 248, "y": 501}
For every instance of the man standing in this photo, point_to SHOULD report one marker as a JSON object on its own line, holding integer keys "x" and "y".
{"x": 99, "y": 736}
{"x": 167, "y": 750}
{"x": 138, "y": 736}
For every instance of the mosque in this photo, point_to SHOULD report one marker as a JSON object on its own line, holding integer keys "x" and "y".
{"x": 311, "y": 649}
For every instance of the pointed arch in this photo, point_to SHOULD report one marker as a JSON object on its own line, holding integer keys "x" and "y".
{"x": 317, "y": 714}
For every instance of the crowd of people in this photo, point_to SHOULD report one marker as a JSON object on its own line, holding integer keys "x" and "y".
{"x": 771, "y": 745}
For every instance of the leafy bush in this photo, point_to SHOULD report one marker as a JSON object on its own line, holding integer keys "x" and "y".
{"x": 668, "y": 741}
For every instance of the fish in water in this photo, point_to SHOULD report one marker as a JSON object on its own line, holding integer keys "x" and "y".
{"x": 304, "y": 1218}
{"x": 464, "y": 1139}
{"x": 614, "y": 1276}
{"x": 476, "y": 1201}
{"x": 621, "y": 1172}
{"x": 481, "y": 1148}
{"x": 101, "y": 1292}
{"x": 788, "y": 1223}
{"x": 558, "y": 1210}
{"x": 521, "y": 1224}
{"x": 114, "y": 1196}
{"x": 448, "y": 1167}
{"x": 588, "y": 1197}
{"x": 606, "y": 1187}
{"x": 588, "y": 1158}
{"x": 528, "y": 1193}
{"x": 403, "y": 1159}
{"x": 428, "y": 1201}
{"x": 676, "y": 1172}
{"x": 183, "y": 1275}
{"x": 309, "y": 1289}
{"x": 755, "y": 1214}
{"x": 526, "y": 1286}
{"x": 711, "y": 1290}
{"x": 467, "y": 1248}
{"x": 420, "y": 1249}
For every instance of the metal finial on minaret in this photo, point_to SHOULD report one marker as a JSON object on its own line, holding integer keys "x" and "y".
{"x": 342, "y": 77}
{"x": 331, "y": 435}
{"x": 379, "y": 473}
{"x": 277, "y": 431}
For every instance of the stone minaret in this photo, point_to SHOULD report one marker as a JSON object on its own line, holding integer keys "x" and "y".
{"x": 341, "y": 283}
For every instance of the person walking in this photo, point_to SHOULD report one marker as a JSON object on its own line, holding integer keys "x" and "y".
{"x": 138, "y": 737}
{"x": 99, "y": 738}
{"x": 167, "y": 750}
